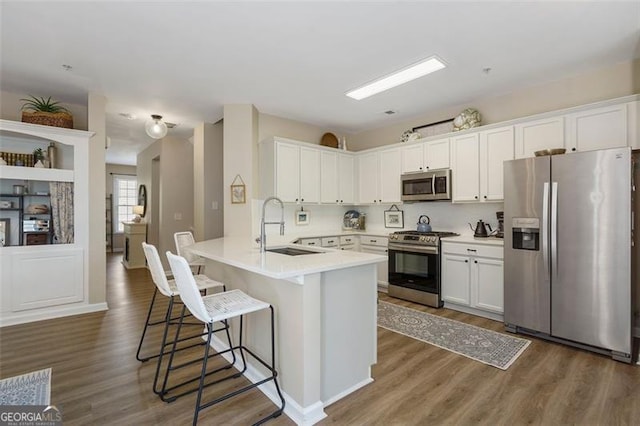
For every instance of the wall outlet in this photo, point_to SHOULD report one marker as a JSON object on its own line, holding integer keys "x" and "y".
{"x": 177, "y": 216}
{"x": 214, "y": 205}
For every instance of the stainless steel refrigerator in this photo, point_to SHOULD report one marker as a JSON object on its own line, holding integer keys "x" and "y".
{"x": 568, "y": 249}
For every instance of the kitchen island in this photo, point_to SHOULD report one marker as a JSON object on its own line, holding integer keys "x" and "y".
{"x": 325, "y": 312}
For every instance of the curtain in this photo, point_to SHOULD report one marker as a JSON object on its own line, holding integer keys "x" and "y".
{"x": 62, "y": 211}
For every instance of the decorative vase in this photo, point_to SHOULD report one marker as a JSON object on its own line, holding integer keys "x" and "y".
{"x": 58, "y": 119}
{"x": 52, "y": 154}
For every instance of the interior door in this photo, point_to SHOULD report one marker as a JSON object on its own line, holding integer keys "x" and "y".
{"x": 591, "y": 260}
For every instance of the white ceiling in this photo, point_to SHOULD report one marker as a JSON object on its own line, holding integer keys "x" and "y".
{"x": 185, "y": 60}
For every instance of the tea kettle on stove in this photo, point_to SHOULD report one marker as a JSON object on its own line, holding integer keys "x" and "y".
{"x": 481, "y": 229}
{"x": 423, "y": 223}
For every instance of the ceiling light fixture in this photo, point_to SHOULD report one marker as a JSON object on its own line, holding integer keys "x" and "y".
{"x": 156, "y": 128}
{"x": 420, "y": 69}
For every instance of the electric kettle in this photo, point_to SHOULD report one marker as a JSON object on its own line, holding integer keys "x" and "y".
{"x": 481, "y": 229}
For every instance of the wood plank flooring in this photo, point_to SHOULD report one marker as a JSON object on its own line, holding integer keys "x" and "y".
{"x": 97, "y": 380}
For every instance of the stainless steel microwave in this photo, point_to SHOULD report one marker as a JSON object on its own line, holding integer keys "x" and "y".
{"x": 426, "y": 186}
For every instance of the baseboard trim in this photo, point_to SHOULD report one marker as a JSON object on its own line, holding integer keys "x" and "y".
{"x": 303, "y": 416}
{"x": 50, "y": 313}
{"x": 474, "y": 311}
{"x": 348, "y": 391}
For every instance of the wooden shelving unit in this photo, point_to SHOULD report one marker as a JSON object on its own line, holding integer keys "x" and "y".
{"x": 108, "y": 220}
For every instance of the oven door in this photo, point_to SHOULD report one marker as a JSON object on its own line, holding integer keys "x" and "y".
{"x": 414, "y": 267}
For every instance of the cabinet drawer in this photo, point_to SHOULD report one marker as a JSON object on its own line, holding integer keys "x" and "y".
{"x": 347, "y": 240}
{"x": 329, "y": 241}
{"x": 36, "y": 239}
{"x": 311, "y": 242}
{"x": 373, "y": 241}
{"x": 473, "y": 250}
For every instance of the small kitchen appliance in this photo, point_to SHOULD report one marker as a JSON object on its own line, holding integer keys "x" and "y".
{"x": 414, "y": 266}
{"x": 500, "y": 230}
{"x": 480, "y": 231}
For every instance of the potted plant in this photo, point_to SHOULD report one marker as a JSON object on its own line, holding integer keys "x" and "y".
{"x": 38, "y": 157}
{"x": 46, "y": 112}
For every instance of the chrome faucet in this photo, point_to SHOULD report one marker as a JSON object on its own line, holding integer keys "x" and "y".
{"x": 263, "y": 236}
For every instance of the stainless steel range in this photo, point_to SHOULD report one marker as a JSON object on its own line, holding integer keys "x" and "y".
{"x": 414, "y": 266}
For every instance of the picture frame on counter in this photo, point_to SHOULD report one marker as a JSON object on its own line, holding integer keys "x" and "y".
{"x": 394, "y": 217}
{"x": 434, "y": 129}
{"x": 302, "y": 217}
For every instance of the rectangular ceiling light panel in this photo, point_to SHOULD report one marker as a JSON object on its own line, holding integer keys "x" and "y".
{"x": 418, "y": 70}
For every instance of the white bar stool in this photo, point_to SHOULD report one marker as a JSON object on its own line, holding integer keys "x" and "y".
{"x": 182, "y": 240}
{"x": 222, "y": 307}
{"x": 169, "y": 289}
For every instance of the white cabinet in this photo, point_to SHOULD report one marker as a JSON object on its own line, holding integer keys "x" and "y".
{"x": 331, "y": 242}
{"x": 598, "y": 128}
{"x": 472, "y": 278}
{"x": 336, "y": 178}
{"x": 290, "y": 171}
{"x": 390, "y": 171}
{"x": 379, "y": 176}
{"x": 134, "y": 235}
{"x": 465, "y": 167}
{"x": 425, "y": 156}
{"x": 536, "y": 135}
{"x": 496, "y": 147}
{"x": 377, "y": 245}
{"x": 476, "y": 163}
{"x": 346, "y": 178}
{"x": 348, "y": 242}
{"x": 311, "y": 242}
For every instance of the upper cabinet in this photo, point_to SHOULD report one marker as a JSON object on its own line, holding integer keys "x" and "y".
{"x": 465, "y": 167}
{"x": 598, "y": 128}
{"x": 537, "y": 135}
{"x": 336, "y": 178}
{"x": 421, "y": 157}
{"x": 379, "y": 176}
{"x": 496, "y": 147}
{"x": 291, "y": 172}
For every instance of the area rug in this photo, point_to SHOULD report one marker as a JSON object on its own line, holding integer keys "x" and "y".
{"x": 487, "y": 346}
{"x": 27, "y": 389}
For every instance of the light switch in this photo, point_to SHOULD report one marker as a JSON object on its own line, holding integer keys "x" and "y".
{"x": 177, "y": 216}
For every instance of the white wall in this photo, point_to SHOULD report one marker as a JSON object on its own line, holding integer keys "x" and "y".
{"x": 606, "y": 83}
{"x": 208, "y": 175}
{"x": 11, "y": 107}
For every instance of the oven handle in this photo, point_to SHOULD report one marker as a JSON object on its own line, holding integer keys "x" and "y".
{"x": 412, "y": 248}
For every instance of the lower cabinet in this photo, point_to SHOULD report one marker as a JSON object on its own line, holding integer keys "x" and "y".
{"x": 472, "y": 278}
{"x": 377, "y": 245}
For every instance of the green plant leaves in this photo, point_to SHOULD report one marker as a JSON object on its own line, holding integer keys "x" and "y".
{"x": 42, "y": 105}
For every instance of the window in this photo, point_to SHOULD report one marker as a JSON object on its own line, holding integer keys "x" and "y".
{"x": 125, "y": 196}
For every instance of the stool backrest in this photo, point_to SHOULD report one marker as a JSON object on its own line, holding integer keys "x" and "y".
{"x": 187, "y": 287}
{"x": 157, "y": 272}
{"x": 182, "y": 240}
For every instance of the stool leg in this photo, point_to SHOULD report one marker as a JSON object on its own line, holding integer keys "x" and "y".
{"x": 146, "y": 325}
{"x": 203, "y": 373}
{"x": 162, "y": 345}
{"x": 171, "y": 355}
{"x": 273, "y": 368}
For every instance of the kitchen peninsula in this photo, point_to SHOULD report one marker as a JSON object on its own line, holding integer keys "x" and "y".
{"x": 325, "y": 307}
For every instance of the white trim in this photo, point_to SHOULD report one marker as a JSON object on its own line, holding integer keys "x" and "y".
{"x": 304, "y": 416}
{"x": 348, "y": 391}
{"x": 473, "y": 311}
{"x": 26, "y": 317}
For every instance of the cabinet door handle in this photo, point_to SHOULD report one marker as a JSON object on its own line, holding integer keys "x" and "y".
{"x": 485, "y": 197}
{"x": 473, "y": 250}
{"x": 302, "y": 199}
{"x": 312, "y": 244}
{"x": 475, "y": 261}
{"x": 466, "y": 261}
{"x": 337, "y": 201}
{"x": 476, "y": 197}
{"x": 341, "y": 201}
{"x": 573, "y": 149}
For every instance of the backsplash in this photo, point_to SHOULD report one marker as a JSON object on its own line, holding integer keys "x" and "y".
{"x": 324, "y": 219}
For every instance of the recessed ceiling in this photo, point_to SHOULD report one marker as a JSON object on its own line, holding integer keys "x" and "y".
{"x": 185, "y": 60}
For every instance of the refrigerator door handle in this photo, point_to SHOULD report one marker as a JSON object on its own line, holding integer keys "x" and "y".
{"x": 545, "y": 230}
{"x": 554, "y": 229}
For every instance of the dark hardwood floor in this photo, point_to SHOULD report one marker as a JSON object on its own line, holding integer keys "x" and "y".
{"x": 97, "y": 380}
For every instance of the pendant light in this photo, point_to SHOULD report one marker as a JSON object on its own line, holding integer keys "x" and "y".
{"x": 156, "y": 128}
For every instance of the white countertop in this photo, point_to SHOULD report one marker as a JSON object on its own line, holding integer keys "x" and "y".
{"x": 466, "y": 239}
{"x": 245, "y": 254}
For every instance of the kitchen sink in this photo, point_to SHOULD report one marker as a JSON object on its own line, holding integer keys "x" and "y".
{"x": 292, "y": 251}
